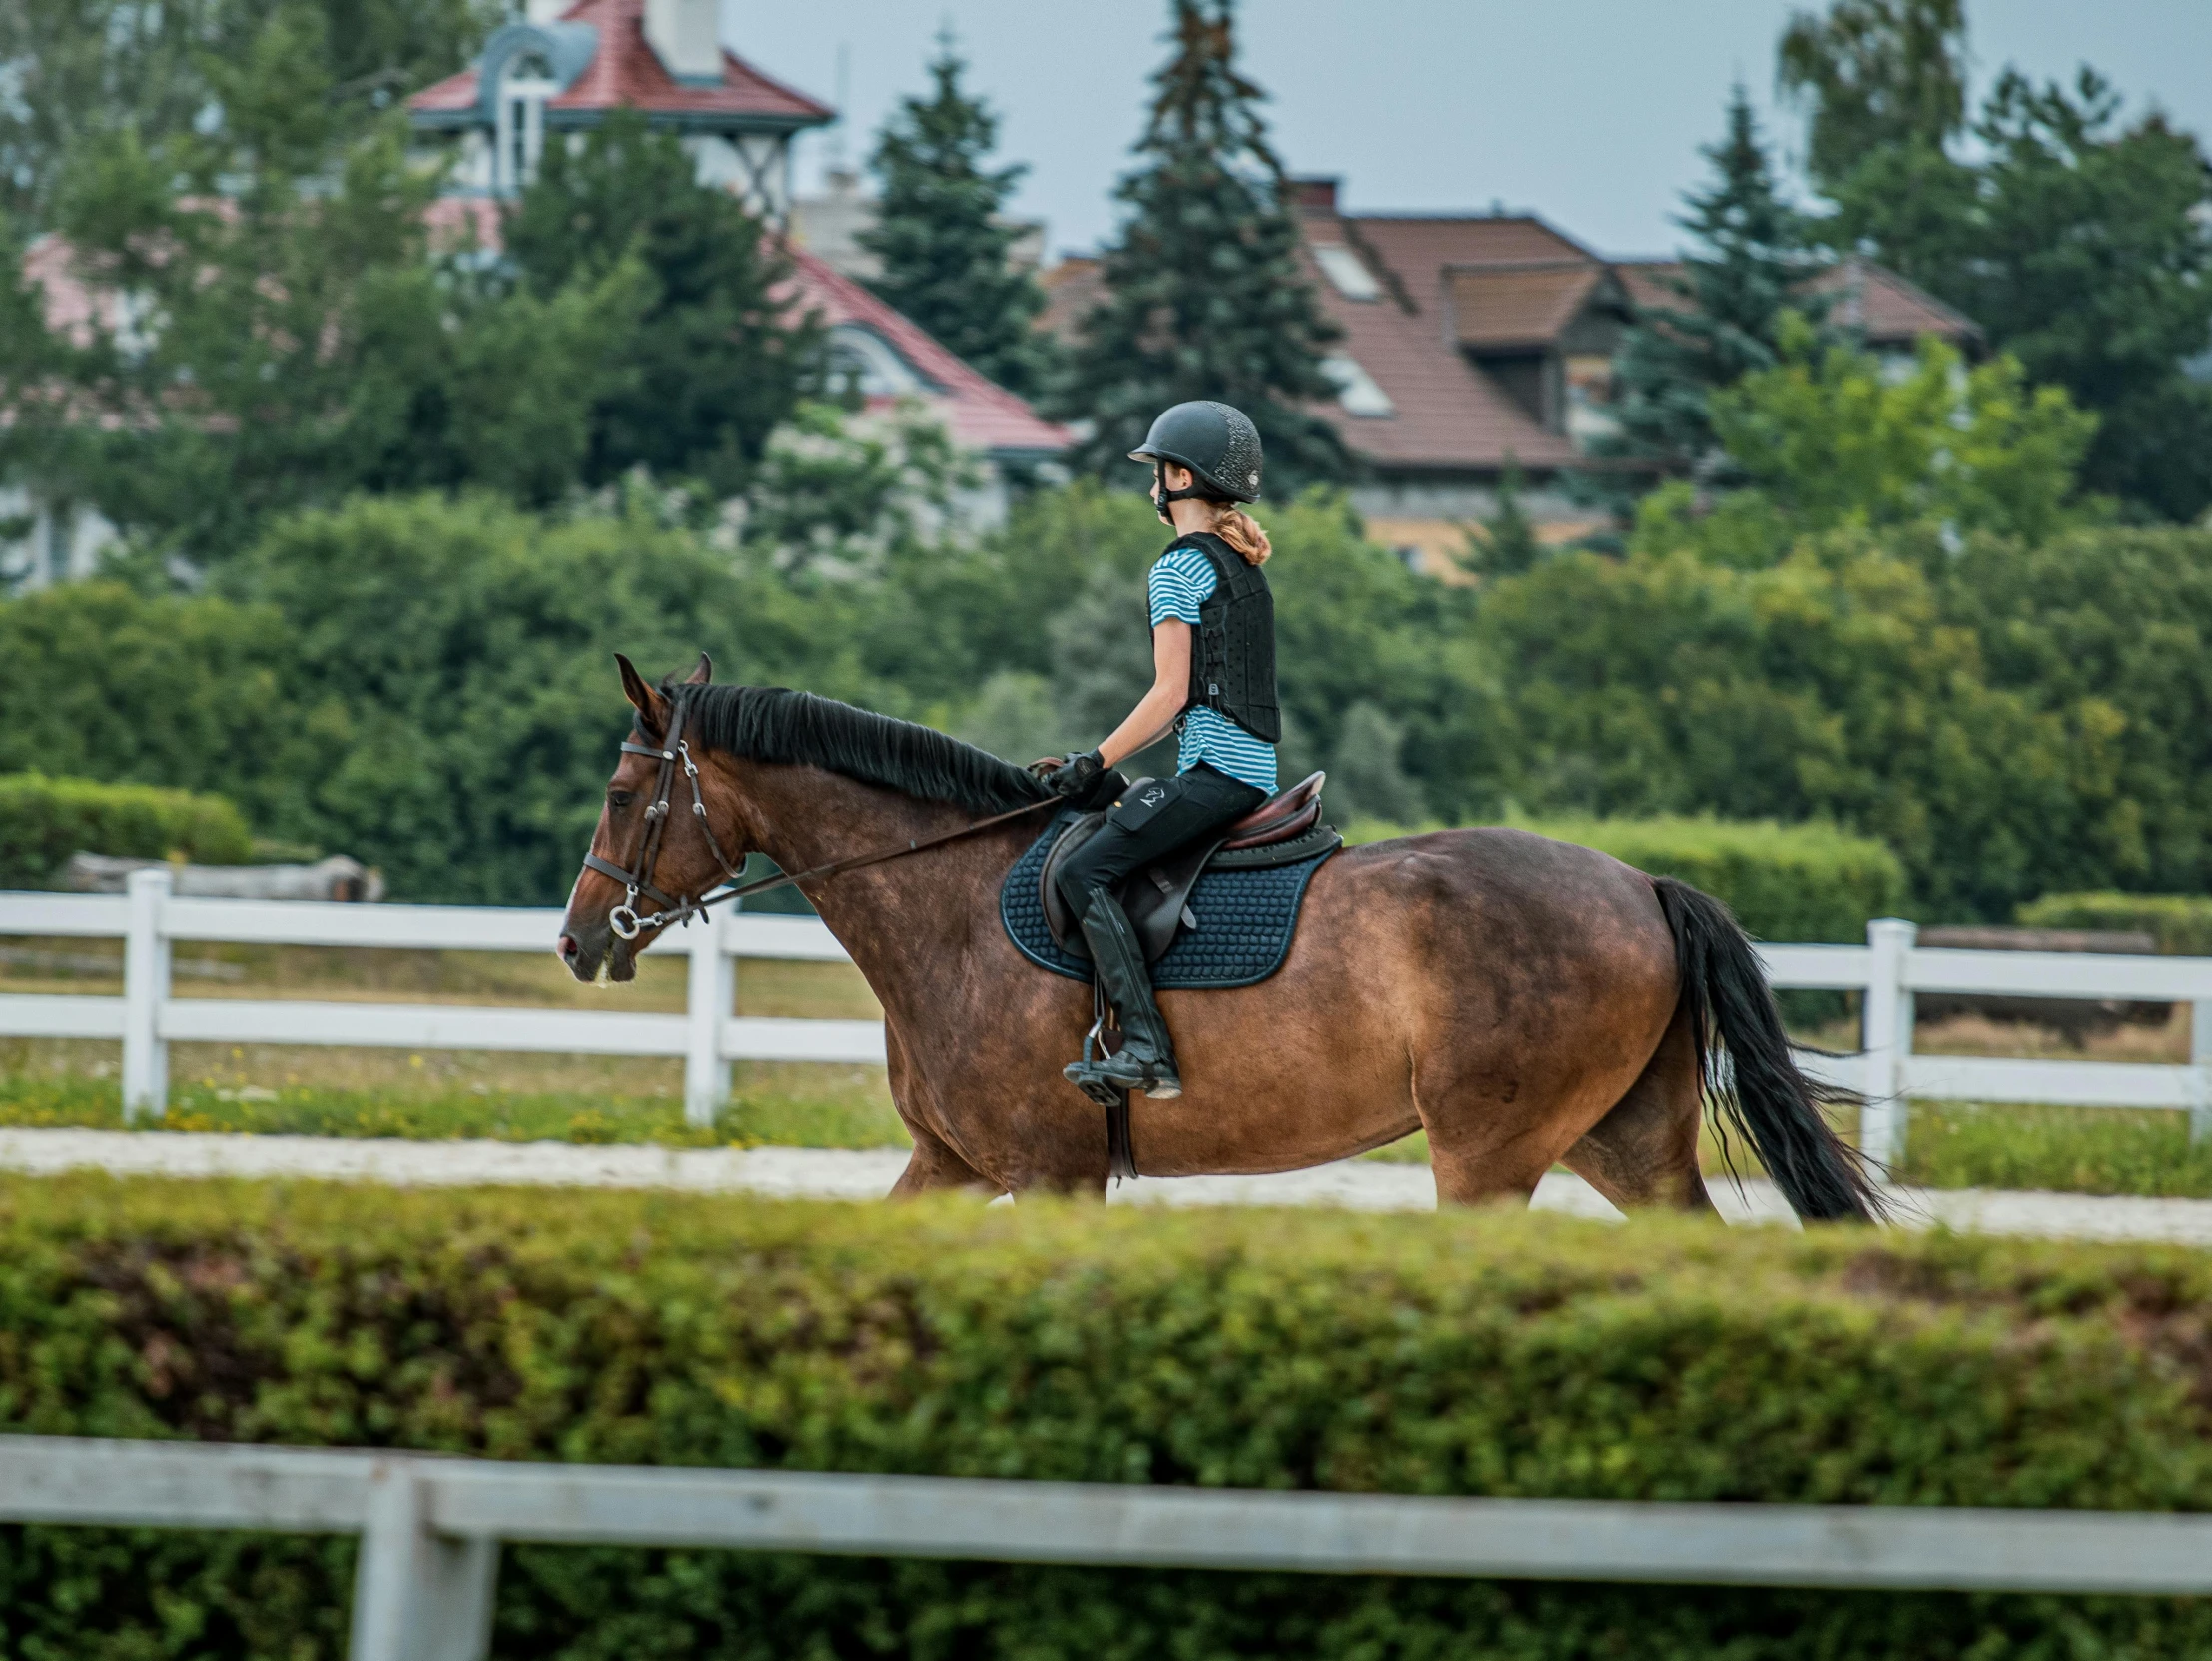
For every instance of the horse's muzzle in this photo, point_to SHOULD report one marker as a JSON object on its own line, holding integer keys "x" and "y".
{"x": 585, "y": 947}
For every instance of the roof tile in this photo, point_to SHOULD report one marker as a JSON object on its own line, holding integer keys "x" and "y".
{"x": 1449, "y": 414}
{"x": 1517, "y": 305}
{"x": 1889, "y": 310}
{"x": 627, "y": 70}
{"x": 978, "y": 412}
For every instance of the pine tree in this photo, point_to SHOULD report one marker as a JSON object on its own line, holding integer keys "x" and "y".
{"x": 1510, "y": 545}
{"x": 1205, "y": 293}
{"x": 716, "y": 362}
{"x": 945, "y": 253}
{"x": 1745, "y": 271}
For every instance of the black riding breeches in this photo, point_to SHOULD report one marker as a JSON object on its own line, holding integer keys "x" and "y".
{"x": 1151, "y": 822}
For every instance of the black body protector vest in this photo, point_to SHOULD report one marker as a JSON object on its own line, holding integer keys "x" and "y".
{"x": 1233, "y": 657}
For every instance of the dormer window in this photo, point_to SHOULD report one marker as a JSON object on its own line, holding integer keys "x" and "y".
{"x": 520, "y": 136}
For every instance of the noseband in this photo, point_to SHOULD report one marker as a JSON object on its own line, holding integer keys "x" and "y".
{"x": 674, "y": 752}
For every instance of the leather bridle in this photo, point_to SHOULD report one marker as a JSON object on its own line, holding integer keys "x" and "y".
{"x": 675, "y": 753}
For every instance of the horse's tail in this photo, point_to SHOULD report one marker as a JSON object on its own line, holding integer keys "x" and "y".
{"x": 1756, "y": 1084}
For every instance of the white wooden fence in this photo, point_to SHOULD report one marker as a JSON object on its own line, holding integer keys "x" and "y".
{"x": 1890, "y": 968}
{"x": 148, "y": 1018}
{"x": 431, "y": 1528}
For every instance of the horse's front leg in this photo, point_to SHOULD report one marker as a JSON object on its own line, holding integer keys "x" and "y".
{"x": 932, "y": 1165}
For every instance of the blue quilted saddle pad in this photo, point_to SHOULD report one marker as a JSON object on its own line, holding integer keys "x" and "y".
{"x": 1245, "y": 921}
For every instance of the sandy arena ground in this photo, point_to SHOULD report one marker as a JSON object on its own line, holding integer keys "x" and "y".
{"x": 849, "y": 1174}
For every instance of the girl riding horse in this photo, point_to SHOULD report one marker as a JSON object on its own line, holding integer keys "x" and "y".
{"x": 1214, "y": 682}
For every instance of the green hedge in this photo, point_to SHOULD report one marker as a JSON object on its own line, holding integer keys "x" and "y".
{"x": 1458, "y": 1354}
{"x": 1784, "y": 882}
{"x": 45, "y": 820}
{"x": 2181, "y": 922}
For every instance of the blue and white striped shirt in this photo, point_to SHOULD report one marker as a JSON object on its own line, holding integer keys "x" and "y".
{"x": 1181, "y": 580}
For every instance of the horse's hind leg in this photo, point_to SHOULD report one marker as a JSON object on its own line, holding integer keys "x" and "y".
{"x": 1644, "y": 1151}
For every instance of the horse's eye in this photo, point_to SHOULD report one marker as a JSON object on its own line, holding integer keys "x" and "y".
{"x": 620, "y": 800}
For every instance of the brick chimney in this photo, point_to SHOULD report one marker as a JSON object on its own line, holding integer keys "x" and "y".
{"x": 686, "y": 35}
{"x": 1314, "y": 196}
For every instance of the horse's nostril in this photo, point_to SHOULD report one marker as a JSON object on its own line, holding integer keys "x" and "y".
{"x": 567, "y": 948}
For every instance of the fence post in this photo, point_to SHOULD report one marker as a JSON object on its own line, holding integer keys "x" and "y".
{"x": 1886, "y": 1038}
{"x": 418, "y": 1596}
{"x": 145, "y": 987}
{"x": 2200, "y": 1058}
{"x": 713, "y": 995}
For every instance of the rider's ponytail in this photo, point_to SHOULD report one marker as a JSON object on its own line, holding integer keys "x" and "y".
{"x": 1241, "y": 531}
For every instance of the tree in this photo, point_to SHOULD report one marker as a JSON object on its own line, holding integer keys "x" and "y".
{"x": 1510, "y": 545}
{"x": 269, "y": 330}
{"x": 1367, "y": 777}
{"x": 842, "y": 495}
{"x": 1828, "y": 438}
{"x": 1204, "y": 297}
{"x": 714, "y": 362}
{"x": 2080, "y": 245}
{"x": 81, "y": 70}
{"x": 945, "y": 253}
{"x": 2088, "y": 254}
{"x": 1879, "y": 76}
{"x": 1743, "y": 275}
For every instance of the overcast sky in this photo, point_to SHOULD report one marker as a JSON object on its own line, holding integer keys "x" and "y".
{"x": 1589, "y": 112}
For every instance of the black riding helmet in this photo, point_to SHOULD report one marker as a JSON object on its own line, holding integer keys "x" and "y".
{"x": 1217, "y": 442}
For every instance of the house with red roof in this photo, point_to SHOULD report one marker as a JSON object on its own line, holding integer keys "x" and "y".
{"x": 887, "y": 357}
{"x": 561, "y": 67}
{"x": 1474, "y": 342}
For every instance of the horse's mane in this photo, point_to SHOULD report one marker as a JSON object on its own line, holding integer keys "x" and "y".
{"x": 769, "y": 723}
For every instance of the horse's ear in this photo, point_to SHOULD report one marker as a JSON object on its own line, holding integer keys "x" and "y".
{"x": 643, "y": 697}
{"x": 703, "y": 673}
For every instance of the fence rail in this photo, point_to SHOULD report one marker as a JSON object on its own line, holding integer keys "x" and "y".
{"x": 1887, "y": 971}
{"x": 431, "y": 1528}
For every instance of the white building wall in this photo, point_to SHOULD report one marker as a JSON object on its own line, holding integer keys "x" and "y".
{"x": 42, "y": 544}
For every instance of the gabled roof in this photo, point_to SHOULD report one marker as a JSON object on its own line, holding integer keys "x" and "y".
{"x": 980, "y": 413}
{"x": 1416, "y": 245}
{"x": 1886, "y": 307}
{"x": 1449, "y": 287}
{"x": 1870, "y": 299}
{"x": 599, "y": 48}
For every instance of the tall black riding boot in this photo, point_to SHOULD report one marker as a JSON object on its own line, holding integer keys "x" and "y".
{"x": 1146, "y": 1059}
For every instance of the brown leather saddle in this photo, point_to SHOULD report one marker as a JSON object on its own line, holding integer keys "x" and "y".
{"x": 1282, "y": 830}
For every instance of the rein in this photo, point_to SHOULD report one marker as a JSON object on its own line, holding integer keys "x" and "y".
{"x": 673, "y": 751}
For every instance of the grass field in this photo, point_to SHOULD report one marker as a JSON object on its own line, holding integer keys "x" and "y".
{"x": 317, "y": 1090}
{"x": 328, "y": 1091}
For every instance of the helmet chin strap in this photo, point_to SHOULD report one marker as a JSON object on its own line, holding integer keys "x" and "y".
{"x": 1161, "y": 495}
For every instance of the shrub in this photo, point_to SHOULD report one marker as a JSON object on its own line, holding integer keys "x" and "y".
{"x": 43, "y": 821}
{"x": 1475, "y": 1353}
{"x": 2180, "y": 922}
{"x": 1784, "y": 882}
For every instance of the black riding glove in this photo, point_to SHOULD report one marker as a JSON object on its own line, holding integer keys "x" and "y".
{"x": 1074, "y": 776}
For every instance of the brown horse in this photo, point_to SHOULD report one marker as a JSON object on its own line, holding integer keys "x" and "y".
{"x": 1524, "y": 1001}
